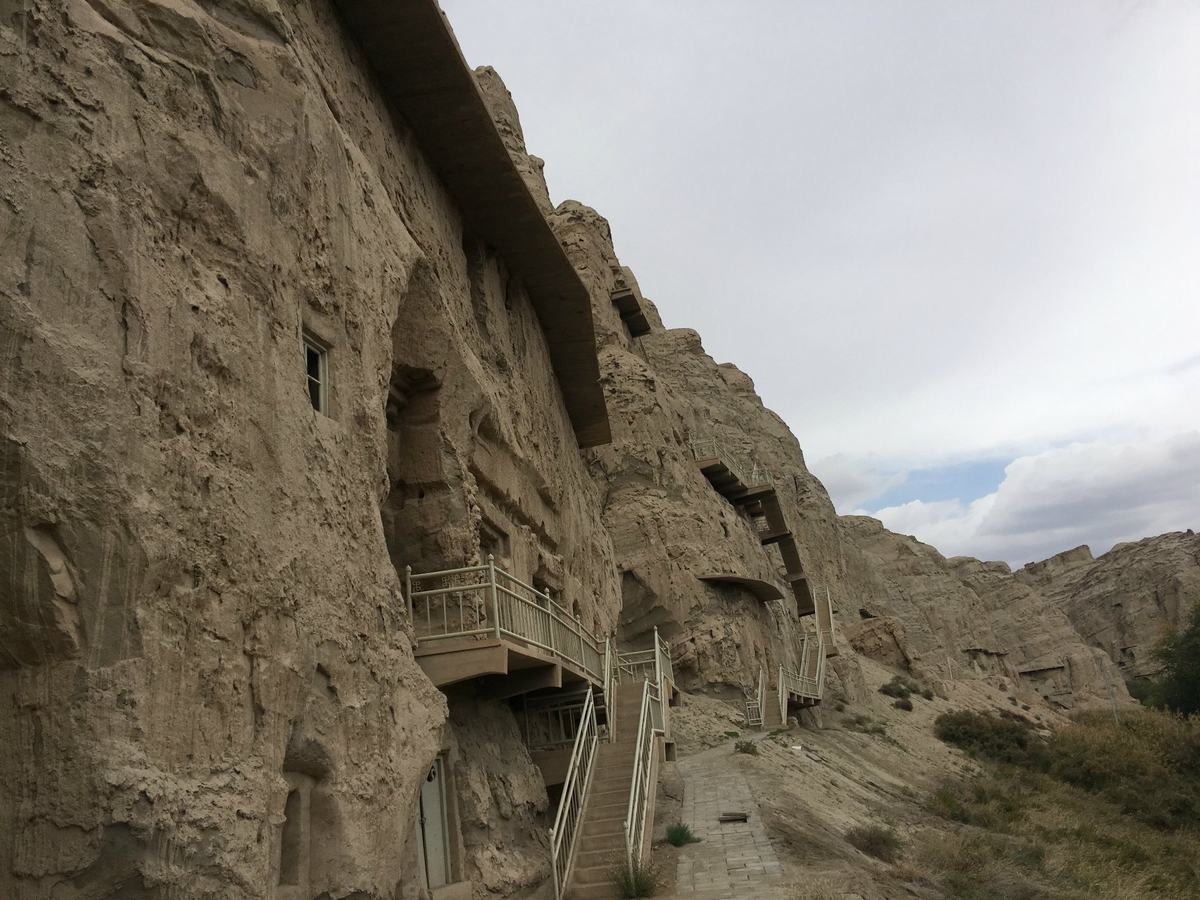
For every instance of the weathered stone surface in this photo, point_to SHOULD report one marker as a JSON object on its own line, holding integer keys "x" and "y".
{"x": 199, "y": 605}
{"x": 670, "y": 528}
{"x": 200, "y": 613}
{"x": 960, "y": 617}
{"x": 1127, "y": 600}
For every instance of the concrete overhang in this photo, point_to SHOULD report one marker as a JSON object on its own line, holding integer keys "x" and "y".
{"x": 421, "y": 70}
{"x": 763, "y": 590}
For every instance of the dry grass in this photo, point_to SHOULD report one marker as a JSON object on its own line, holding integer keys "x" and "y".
{"x": 817, "y": 889}
{"x": 1028, "y": 836}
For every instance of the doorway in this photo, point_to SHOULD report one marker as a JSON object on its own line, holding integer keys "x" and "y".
{"x": 434, "y": 827}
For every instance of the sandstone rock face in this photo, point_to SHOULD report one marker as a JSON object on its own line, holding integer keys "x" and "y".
{"x": 1127, "y": 600}
{"x": 690, "y": 560}
{"x": 203, "y": 640}
{"x": 960, "y": 617}
{"x": 200, "y": 612}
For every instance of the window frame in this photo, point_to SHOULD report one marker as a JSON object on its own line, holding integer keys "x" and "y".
{"x": 310, "y": 342}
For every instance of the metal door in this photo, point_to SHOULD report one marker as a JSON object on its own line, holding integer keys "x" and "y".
{"x": 434, "y": 831}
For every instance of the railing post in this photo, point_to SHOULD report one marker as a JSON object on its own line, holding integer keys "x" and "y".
{"x": 408, "y": 596}
{"x": 495, "y": 593}
{"x": 657, "y": 662}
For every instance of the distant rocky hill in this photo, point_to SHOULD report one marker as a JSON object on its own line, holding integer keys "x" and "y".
{"x": 953, "y": 618}
{"x": 1128, "y": 599}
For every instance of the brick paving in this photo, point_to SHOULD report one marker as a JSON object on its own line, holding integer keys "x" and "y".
{"x": 733, "y": 861}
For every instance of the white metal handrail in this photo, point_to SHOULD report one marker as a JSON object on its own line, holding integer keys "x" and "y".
{"x": 809, "y": 682}
{"x": 756, "y": 705}
{"x": 565, "y": 831}
{"x": 744, "y": 468}
{"x": 666, "y": 670}
{"x": 650, "y": 722}
{"x": 609, "y": 681}
{"x": 762, "y": 694}
{"x": 475, "y": 601}
{"x": 653, "y": 663}
{"x": 553, "y": 724}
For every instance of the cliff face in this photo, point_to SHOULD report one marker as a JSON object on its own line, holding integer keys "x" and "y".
{"x": 691, "y": 562}
{"x": 200, "y": 608}
{"x": 201, "y": 615}
{"x": 960, "y": 617}
{"x": 1127, "y": 600}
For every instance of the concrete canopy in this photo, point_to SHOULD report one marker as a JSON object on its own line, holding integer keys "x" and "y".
{"x": 422, "y": 72}
{"x": 763, "y": 590}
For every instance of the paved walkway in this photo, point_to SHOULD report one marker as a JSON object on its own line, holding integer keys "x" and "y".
{"x": 734, "y": 861}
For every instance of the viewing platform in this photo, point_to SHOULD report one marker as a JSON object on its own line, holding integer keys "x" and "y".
{"x": 480, "y": 621}
{"x": 737, "y": 479}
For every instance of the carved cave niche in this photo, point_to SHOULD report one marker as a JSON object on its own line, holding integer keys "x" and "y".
{"x": 413, "y": 411}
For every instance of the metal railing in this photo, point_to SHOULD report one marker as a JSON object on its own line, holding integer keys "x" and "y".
{"x": 756, "y": 704}
{"x": 745, "y": 469}
{"x": 662, "y": 650}
{"x": 475, "y": 601}
{"x": 809, "y": 682}
{"x": 609, "y": 681}
{"x": 650, "y": 721}
{"x": 825, "y": 620}
{"x": 553, "y": 723}
{"x": 653, "y": 663}
{"x": 565, "y": 832}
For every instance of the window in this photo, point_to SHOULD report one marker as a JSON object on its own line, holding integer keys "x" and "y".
{"x": 316, "y": 366}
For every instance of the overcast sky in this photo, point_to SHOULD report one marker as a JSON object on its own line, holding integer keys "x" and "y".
{"x": 956, "y": 244}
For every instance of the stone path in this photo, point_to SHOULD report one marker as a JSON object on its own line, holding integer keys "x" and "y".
{"x": 734, "y": 861}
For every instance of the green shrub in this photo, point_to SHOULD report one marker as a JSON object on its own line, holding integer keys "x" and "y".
{"x": 733, "y": 734}
{"x": 640, "y": 880}
{"x": 746, "y": 747}
{"x": 927, "y": 693}
{"x": 904, "y": 703}
{"x": 679, "y": 834}
{"x": 895, "y": 688}
{"x": 1008, "y": 738}
{"x": 1148, "y": 764}
{"x": 1178, "y": 685}
{"x": 875, "y": 840}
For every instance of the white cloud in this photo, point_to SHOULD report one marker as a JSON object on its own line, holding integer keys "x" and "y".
{"x": 934, "y": 233}
{"x": 1097, "y": 493}
{"x": 852, "y": 481}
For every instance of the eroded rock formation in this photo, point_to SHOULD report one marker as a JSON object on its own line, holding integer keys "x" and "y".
{"x": 205, "y": 658}
{"x": 257, "y": 357}
{"x": 960, "y": 617}
{"x": 1127, "y": 600}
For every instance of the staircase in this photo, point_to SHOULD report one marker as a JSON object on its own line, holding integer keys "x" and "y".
{"x": 602, "y": 845}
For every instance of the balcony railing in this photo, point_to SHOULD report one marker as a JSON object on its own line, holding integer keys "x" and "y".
{"x": 745, "y": 469}
{"x": 553, "y": 723}
{"x": 809, "y": 682}
{"x": 478, "y": 601}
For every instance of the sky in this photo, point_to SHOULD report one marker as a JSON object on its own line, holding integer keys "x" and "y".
{"x": 955, "y": 244}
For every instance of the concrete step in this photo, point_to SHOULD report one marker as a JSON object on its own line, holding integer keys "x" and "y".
{"x": 607, "y": 857}
{"x": 594, "y": 874}
{"x": 604, "y": 792}
{"x": 593, "y": 892}
{"x": 616, "y": 807}
{"x": 605, "y": 843}
{"x": 597, "y": 827}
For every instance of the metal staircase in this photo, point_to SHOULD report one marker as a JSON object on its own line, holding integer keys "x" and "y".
{"x": 607, "y": 804}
